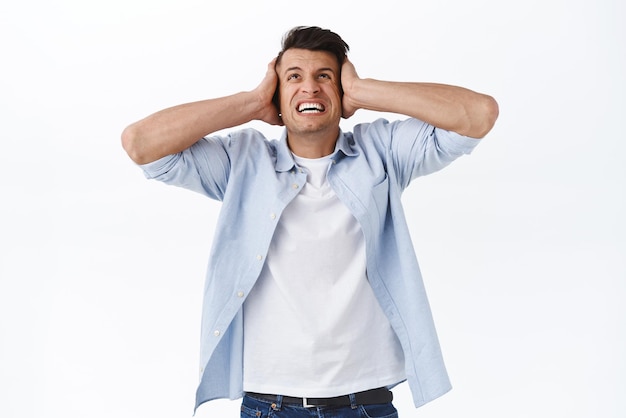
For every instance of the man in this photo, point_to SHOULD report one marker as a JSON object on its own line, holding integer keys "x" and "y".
{"x": 313, "y": 299}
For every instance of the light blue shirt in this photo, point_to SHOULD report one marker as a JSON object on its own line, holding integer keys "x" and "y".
{"x": 256, "y": 178}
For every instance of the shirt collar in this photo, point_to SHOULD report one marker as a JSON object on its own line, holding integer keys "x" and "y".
{"x": 284, "y": 159}
{"x": 345, "y": 144}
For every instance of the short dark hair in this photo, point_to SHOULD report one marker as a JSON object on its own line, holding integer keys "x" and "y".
{"x": 312, "y": 38}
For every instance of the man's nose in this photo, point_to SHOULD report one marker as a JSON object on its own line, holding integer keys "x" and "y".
{"x": 310, "y": 86}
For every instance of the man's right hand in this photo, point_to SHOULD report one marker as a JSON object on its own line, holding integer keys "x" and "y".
{"x": 176, "y": 128}
{"x": 265, "y": 92}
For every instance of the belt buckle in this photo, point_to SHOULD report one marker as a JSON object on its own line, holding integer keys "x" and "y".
{"x": 305, "y": 403}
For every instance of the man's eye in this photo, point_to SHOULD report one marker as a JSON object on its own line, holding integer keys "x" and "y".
{"x": 292, "y": 76}
{"x": 324, "y": 76}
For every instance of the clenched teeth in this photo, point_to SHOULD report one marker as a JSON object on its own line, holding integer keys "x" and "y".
{"x": 310, "y": 108}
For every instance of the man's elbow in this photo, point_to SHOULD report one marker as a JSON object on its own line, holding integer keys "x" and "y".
{"x": 131, "y": 144}
{"x": 488, "y": 111}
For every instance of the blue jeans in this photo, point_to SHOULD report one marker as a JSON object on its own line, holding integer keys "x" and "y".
{"x": 259, "y": 408}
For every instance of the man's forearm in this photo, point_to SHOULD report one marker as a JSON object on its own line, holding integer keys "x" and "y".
{"x": 177, "y": 128}
{"x": 448, "y": 107}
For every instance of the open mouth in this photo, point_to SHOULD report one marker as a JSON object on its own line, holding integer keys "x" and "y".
{"x": 311, "y": 108}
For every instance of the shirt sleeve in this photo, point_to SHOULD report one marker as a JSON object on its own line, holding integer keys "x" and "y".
{"x": 418, "y": 149}
{"x": 204, "y": 168}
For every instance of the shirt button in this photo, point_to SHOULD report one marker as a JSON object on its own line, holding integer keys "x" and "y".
{"x": 273, "y": 215}
{"x": 259, "y": 257}
{"x": 216, "y": 333}
{"x": 240, "y": 294}
{"x": 295, "y": 186}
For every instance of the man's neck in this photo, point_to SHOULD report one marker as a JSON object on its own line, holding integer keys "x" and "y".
{"x": 314, "y": 145}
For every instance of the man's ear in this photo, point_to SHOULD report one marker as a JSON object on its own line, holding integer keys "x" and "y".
{"x": 276, "y": 98}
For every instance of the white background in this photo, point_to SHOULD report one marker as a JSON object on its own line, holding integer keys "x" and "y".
{"x": 522, "y": 244}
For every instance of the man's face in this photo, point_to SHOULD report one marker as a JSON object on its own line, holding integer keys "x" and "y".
{"x": 310, "y": 99}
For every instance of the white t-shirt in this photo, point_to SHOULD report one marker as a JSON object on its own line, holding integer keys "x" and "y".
{"x": 312, "y": 325}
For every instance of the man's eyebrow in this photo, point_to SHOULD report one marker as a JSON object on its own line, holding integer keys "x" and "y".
{"x": 318, "y": 70}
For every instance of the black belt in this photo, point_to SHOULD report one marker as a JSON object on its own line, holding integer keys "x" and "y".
{"x": 368, "y": 397}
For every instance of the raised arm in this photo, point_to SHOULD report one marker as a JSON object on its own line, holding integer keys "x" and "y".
{"x": 177, "y": 128}
{"x": 447, "y": 107}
